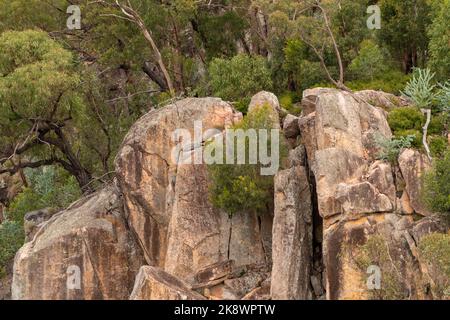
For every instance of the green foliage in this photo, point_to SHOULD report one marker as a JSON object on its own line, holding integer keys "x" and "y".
{"x": 239, "y": 77}
{"x": 370, "y": 62}
{"x": 416, "y": 135}
{"x": 436, "y": 190}
{"x": 389, "y": 149}
{"x": 391, "y": 81}
{"x": 300, "y": 65}
{"x": 438, "y": 146}
{"x": 287, "y": 103}
{"x": 439, "y": 34}
{"x": 443, "y": 97}
{"x": 376, "y": 252}
{"x": 50, "y": 187}
{"x": 405, "y": 118}
{"x": 420, "y": 88}
{"x": 403, "y": 30}
{"x": 241, "y": 187}
{"x": 435, "y": 249}
{"x": 11, "y": 239}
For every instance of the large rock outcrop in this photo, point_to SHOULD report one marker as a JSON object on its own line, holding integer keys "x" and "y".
{"x": 360, "y": 199}
{"x": 154, "y": 234}
{"x": 292, "y": 243}
{"x": 167, "y": 200}
{"x": 84, "y": 252}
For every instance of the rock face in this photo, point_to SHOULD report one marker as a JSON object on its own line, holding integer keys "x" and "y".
{"x": 167, "y": 200}
{"x": 154, "y": 284}
{"x": 166, "y": 211}
{"x": 413, "y": 165}
{"x": 153, "y": 233}
{"x": 84, "y": 252}
{"x": 359, "y": 198}
{"x": 292, "y": 235}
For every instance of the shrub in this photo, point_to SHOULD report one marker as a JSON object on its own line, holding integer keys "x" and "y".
{"x": 370, "y": 62}
{"x": 391, "y": 81}
{"x": 435, "y": 249}
{"x": 416, "y": 134}
{"x": 287, "y": 102}
{"x": 11, "y": 239}
{"x": 239, "y": 77}
{"x": 405, "y": 118}
{"x": 437, "y": 124}
{"x": 438, "y": 146}
{"x": 304, "y": 73}
{"x": 235, "y": 188}
{"x": 389, "y": 149}
{"x": 436, "y": 190}
{"x": 50, "y": 187}
{"x": 377, "y": 252}
{"x": 443, "y": 97}
{"x": 420, "y": 88}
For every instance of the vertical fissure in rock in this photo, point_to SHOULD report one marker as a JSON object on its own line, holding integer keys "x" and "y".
{"x": 317, "y": 265}
{"x": 229, "y": 237}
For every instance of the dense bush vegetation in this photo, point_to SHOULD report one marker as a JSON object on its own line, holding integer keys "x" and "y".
{"x": 239, "y": 78}
{"x": 49, "y": 187}
{"x": 436, "y": 191}
{"x": 435, "y": 249}
{"x": 237, "y": 188}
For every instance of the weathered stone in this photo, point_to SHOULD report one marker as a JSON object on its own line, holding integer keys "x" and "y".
{"x": 307, "y": 126}
{"x": 147, "y": 171}
{"x": 338, "y": 124}
{"x": 381, "y": 99}
{"x": 297, "y": 157}
{"x": 332, "y": 167}
{"x": 412, "y": 165}
{"x": 292, "y": 235}
{"x": 246, "y": 283}
{"x": 290, "y": 126}
{"x": 316, "y": 284}
{"x": 260, "y": 293}
{"x": 405, "y": 204}
{"x": 198, "y": 234}
{"x": 152, "y": 283}
{"x": 267, "y": 98}
{"x": 246, "y": 241}
{"x": 167, "y": 201}
{"x": 33, "y": 220}
{"x": 221, "y": 292}
{"x": 216, "y": 271}
{"x": 89, "y": 240}
{"x": 431, "y": 224}
{"x": 362, "y": 198}
{"x": 344, "y": 279}
{"x": 309, "y": 99}
{"x": 380, "y": 176}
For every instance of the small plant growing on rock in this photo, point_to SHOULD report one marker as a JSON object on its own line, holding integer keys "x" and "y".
{"x": 376, "y": 252}
{"x": 389, "y": 149}
{"x": 436, "y": 191}
{"x": 435, "y": 249}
